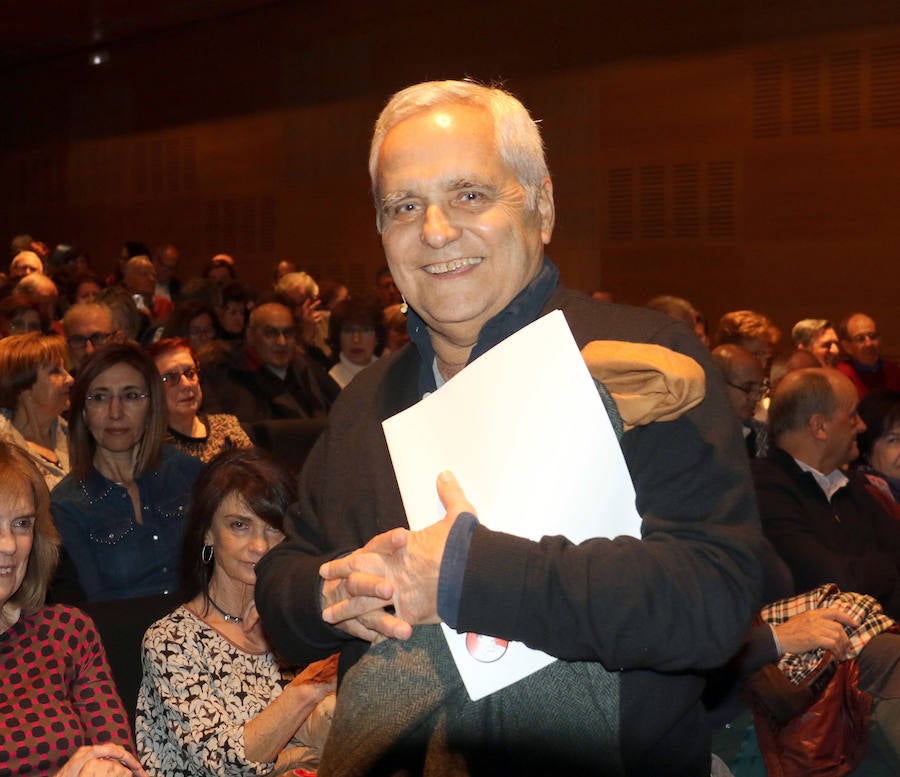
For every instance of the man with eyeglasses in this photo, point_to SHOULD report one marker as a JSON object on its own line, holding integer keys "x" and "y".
{"x": 865, "y": 368}
{"x": 745, "y": 385}
{"x": 86, "y": 327}
{"x": 270, "y": 378}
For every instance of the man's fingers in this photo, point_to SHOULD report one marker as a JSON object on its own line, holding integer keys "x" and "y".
{"x": 451, "y": 494}
{"x": 351, "y": 608}
{"x": 841, "y": 616}
{"x": 388, "y": 542}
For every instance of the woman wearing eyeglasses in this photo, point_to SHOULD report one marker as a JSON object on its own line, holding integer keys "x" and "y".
{"x": 121, "y": 511}
{"x": 190, "y": 431}
{"x": 34, "y": 392}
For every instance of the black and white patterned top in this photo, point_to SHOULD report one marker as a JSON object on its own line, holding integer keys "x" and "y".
{"x": 198, "y": 691}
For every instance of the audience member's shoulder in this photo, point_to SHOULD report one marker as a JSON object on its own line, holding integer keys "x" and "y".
{"x": 175, "y": 461}
{"x": 66, "y": 620}
{"x": 68, "y": 489}
{"x": 174, "y": 624}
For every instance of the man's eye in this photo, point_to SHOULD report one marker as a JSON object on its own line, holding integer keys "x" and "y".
{"x": 404, "y": 210}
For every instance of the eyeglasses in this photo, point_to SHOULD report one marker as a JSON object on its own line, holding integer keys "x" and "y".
{"x": 129, "y": 398}
{"x": 863, "y": 336}
{"x": 751, "y": 389}
{"x": 173, "y": 378}
{"x": 23, "y": 327}
{"x": 80, "y": 341}
{"x": 273, "y": 332}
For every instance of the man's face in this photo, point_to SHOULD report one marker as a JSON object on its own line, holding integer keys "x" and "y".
{"x": 864, "y": 344}
{"x": 166, "y": 263}
{"x": 456, "y": 233}
{"x": 25, "y": 263}
{"x": 745, "y": 386}
{"x": 844, "y": 423}
{"x": 86, "y": 332}
{"x": 140, "y": 276}
{"x": 271, "y": 335}
{"x": 825, "y": 348}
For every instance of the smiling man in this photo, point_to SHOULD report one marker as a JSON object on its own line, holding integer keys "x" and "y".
{"x": 464, "y": 204}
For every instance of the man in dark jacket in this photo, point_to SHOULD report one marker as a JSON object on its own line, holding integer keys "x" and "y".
{"x": 464, "y": 204}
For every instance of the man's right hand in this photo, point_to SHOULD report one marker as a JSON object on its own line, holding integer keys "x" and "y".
{"x": 817, "y": 628}
{"x": 365, "y": 600}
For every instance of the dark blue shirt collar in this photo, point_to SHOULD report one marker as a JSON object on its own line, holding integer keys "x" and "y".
{"x": 525, "y": 307}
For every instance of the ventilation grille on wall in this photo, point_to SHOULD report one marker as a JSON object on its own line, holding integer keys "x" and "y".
{"x": 164, "y": 166}
{"x": 686, "y": 200}
{"x": 241, "y": 225}
{"x": 840, "y": 91}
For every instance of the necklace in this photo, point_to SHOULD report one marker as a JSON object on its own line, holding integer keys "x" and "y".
{"x": 229, "y": 618}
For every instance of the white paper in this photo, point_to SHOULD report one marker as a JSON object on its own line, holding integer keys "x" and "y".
{"x": 526, "y": 434}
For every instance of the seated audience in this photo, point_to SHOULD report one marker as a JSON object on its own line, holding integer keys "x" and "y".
{"x": 214, "y": 699}
{"x": 752, "y": 331}
{"x": 865, "y": 367}
{"x": 385, "y": 288}
{"x": 18, "y": 315}
{"x": 677, "y": 307}
{"x": 745, "y": 385}
{"x": 34, "y": 393}
{"x": 87, "y": 288}
{"x": 165, "y": 262}
{"x": 43, "y": 292}
{"x": 395, "y": 336}
{"x": 826, "y": 525}
{"x": 127, "y": 319}
{"x": 269, "y": 378}
{"x": 817, "y": 335}
{"x": 194, "y": 321}
{"x": 121, "y": 510}
{"x": 86, "y": 327}
{"x": 220, "y": 270}
{"x": 139, "y": 280}
{"x": 355, "y": 334}
{"x": 879, "y": 445}
{"x": 192, "y": 432}
{"x": 25, "y": 263}
{"x": 61, "y": 713}
{"x": 783, "y": 363}
{"x": 301, "y": 293}
{"x": 231, "y": 312}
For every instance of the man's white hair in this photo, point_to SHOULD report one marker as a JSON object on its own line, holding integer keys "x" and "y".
{"x": 515, "y": 133}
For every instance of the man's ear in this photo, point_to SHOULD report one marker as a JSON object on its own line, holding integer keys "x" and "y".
{"x": 546, "y": 209}
{"x": 818, "y": 426}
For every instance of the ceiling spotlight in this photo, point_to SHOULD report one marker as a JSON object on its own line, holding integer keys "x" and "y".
{"x": 99, "y": 57}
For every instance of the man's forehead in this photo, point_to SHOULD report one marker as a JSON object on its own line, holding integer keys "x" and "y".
{"x": 860, "y": 324}
{"x": 273, "y": 314}
{"x": 91, "y": 319}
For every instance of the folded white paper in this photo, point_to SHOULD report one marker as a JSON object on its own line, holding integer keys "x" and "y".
{"x": 526, "y": 434}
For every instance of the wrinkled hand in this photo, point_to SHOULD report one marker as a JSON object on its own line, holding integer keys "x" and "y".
{"x": 817, "y": 628}
{"x": 107, "y": 760}
{"x": 356, "y": 591}
{"x": 399, "y": 566}
{"x": 322, "y": 673}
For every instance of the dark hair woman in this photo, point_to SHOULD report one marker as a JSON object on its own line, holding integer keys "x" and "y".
{"x": 211, "y": 654}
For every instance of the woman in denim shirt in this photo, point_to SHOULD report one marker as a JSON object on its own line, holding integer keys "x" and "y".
{"x": 121, "y": 511}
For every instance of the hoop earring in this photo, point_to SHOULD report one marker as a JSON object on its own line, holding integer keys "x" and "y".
{"x": 206, "y": 554}
{"x": 404, "y": 308}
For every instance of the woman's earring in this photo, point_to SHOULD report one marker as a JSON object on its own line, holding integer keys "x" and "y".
{"x": 403, "y": 306}
{"x": 206, "y": 554}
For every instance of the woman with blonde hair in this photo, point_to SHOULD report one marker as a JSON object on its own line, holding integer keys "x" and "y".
{"x": 34, "y": 392}
{"x": 61, "y": 713}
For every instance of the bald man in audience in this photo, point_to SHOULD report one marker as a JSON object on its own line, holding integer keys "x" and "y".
{"x": 818, "y": 336}
{"x": 865, "y": 368}
{"x": 25, "y": 263}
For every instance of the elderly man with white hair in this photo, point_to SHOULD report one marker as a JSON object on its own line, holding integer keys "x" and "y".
{"x": 464, "y": 204}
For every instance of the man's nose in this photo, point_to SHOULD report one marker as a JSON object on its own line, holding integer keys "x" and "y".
{"x": 437, "y": 229}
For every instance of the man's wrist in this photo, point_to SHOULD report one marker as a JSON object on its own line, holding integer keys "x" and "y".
{"x": 453, "y": 567}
